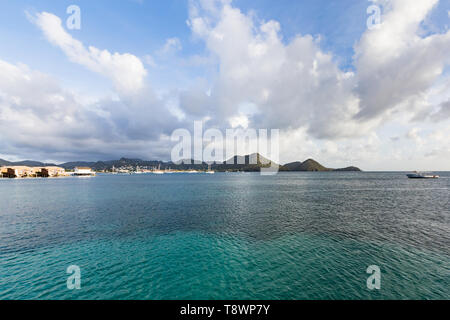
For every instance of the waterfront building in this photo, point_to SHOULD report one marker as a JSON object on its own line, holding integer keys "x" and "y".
{"x": 19, "y": 172}
{"x": 52, "y": 172}
{"x": 31, "y": 172}
{"x": 83, "y": 171}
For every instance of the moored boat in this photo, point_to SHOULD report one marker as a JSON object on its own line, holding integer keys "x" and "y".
{"x": 419, "y": 175}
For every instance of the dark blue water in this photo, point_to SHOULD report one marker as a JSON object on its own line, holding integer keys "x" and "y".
{"x": 226, "y": 236}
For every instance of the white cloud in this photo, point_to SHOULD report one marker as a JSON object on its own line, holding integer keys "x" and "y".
{"x": 298, "y": 87}
{"x": 414, "y": 134}
{"x": 296, "y": 84}
{"x": 444, "y": 112}
{"x": 240, "y": 120}
{"x": 125, "y": 70}
{"x": 149, "y": 60}
{"x": 259, "y": 80}
{"x": 39, "y": 119}
{"x": 293, "y": 85}
{"x": 395, "y": 65}
{"x": 171, "y": 46}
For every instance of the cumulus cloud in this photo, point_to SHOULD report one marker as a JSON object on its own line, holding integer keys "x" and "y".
{"x": 296, "y": 84}
{"x": 293, "y": 85}
{"x": 395, "y": 65}
{"x": 259, "y": 79}
{"x": 126, "y": 71}
{"x": 40, "y": 118}
{"x": 35, "y": 112}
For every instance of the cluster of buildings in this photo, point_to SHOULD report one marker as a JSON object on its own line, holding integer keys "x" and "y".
{"x": 41, "y": 172}
{"x": 131, "y": 169}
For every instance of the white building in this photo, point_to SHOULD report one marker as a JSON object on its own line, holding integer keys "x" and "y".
{"x": 83, "y": 171}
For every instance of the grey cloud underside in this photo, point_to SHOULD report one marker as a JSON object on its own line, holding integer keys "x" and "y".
{"x": 37, "y": 117}
{"x": 444, "y": 112}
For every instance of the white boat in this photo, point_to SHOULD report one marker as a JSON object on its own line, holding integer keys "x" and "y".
{"x": 419, "y": 175}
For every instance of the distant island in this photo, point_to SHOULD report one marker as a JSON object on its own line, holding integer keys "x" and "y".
{"x": 311, "y": 165}
{"x": 248, "y": 163}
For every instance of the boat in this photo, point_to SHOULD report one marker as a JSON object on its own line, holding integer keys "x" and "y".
{"x": 420, "y": 175}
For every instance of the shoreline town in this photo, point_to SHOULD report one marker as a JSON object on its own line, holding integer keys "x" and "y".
{"x": 43, "y": 172}
{"x": 22, "y": 172}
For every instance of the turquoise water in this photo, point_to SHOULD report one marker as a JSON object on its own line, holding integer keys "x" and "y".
{"x": 226, "y": 236}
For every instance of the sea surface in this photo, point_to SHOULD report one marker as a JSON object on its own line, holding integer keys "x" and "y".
{"x": 226, "y": 236}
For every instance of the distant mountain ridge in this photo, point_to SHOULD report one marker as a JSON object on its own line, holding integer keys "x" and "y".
{"x": 26, "y": 163}
{"x": 253, "y": 162}
{"x": 107, "y": 165}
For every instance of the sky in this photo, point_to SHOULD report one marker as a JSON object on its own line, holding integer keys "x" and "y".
{"x": 342, "y": 86}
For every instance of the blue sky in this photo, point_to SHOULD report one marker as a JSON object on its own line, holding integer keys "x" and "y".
{"x": 195, "y": 74}
{"x": 122, "y": 26}
{"x": 142, "y": 27}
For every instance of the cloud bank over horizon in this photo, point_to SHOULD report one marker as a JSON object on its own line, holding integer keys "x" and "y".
{"x": 390, "y": 110}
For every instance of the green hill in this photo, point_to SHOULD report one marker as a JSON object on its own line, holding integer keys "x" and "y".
{"x": 311, "y": 165}
{"x": 308, "y": 165}
{"x": 249, "y": 163}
